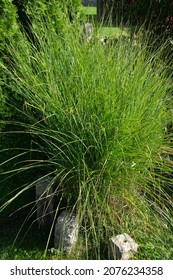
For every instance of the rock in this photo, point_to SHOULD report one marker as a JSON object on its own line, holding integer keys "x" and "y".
{"x": 87, "y": 32}
{"x": 44, "y": 201}
{"x": 122, "y": 247}
{"x": 111, "y": 41}
{"x": 66, "y": 232}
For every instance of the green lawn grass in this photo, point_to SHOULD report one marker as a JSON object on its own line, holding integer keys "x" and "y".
{"x": 113, "y": 31}
{"x": 89, "y": 10}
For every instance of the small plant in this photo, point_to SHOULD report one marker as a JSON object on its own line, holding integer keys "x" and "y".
{"x": 96, "y": 117}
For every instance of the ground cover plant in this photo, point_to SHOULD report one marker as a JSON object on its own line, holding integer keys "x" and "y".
{"x": 95, "y": 121}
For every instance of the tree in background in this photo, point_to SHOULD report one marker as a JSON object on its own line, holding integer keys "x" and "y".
{"x": 100, "y": 8}
{"x": 155, "y": 14}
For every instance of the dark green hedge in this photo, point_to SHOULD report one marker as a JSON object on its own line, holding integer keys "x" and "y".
{"x": 8, "y": 30}
{"x": 25, "y": 8}
{"x": 8, "y": 24}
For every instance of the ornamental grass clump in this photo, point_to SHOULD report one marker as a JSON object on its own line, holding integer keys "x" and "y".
{"x": 96, "y": 118}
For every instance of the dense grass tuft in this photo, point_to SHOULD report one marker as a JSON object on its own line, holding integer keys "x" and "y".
{"x": 96, "y": 116}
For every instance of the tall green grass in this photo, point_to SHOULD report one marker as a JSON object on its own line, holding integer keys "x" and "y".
{"x": 97, "y": 117}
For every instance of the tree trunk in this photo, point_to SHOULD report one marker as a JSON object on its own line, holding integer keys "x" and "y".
{"x": 100, "y": 9}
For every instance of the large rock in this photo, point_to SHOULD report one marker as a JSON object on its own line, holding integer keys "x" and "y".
{"x": 44, "y": 201}
{"x": 122, "y": 247}
{"x": 66, "y": 232}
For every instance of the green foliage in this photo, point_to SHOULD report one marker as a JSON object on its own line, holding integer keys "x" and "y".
{"x": 8, "y": 30}
{"x": 55, "y": 9}
{"x": 8, "y": 25}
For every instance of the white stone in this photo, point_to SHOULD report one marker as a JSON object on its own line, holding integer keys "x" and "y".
{"x": 66, "y": 232}
{"x": 122, "y": 247}
{"x": 44, "y": 201}
{"x": 87, "y": 32}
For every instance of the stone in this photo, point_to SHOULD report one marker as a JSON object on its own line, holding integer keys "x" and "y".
{"x": 66, "y": 232}
{"x": 87, "y": 32}
{"x": 44, "y": 201}
{"x": 122, "y": 247}
{"x": 111, "y": 41}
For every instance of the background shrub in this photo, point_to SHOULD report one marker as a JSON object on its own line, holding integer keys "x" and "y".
{"x": 8, "y": 25}
{"x": 8, "y": 29}
{"x": 56, "y": 10}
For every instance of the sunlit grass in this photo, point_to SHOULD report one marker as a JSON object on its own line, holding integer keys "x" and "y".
{"x": 114, "y": 31}
{"x": 90, "y": 10}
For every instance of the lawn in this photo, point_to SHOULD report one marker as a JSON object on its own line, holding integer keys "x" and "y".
{"x": 113, "y": 31}
{"x": 90, "y": 10}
